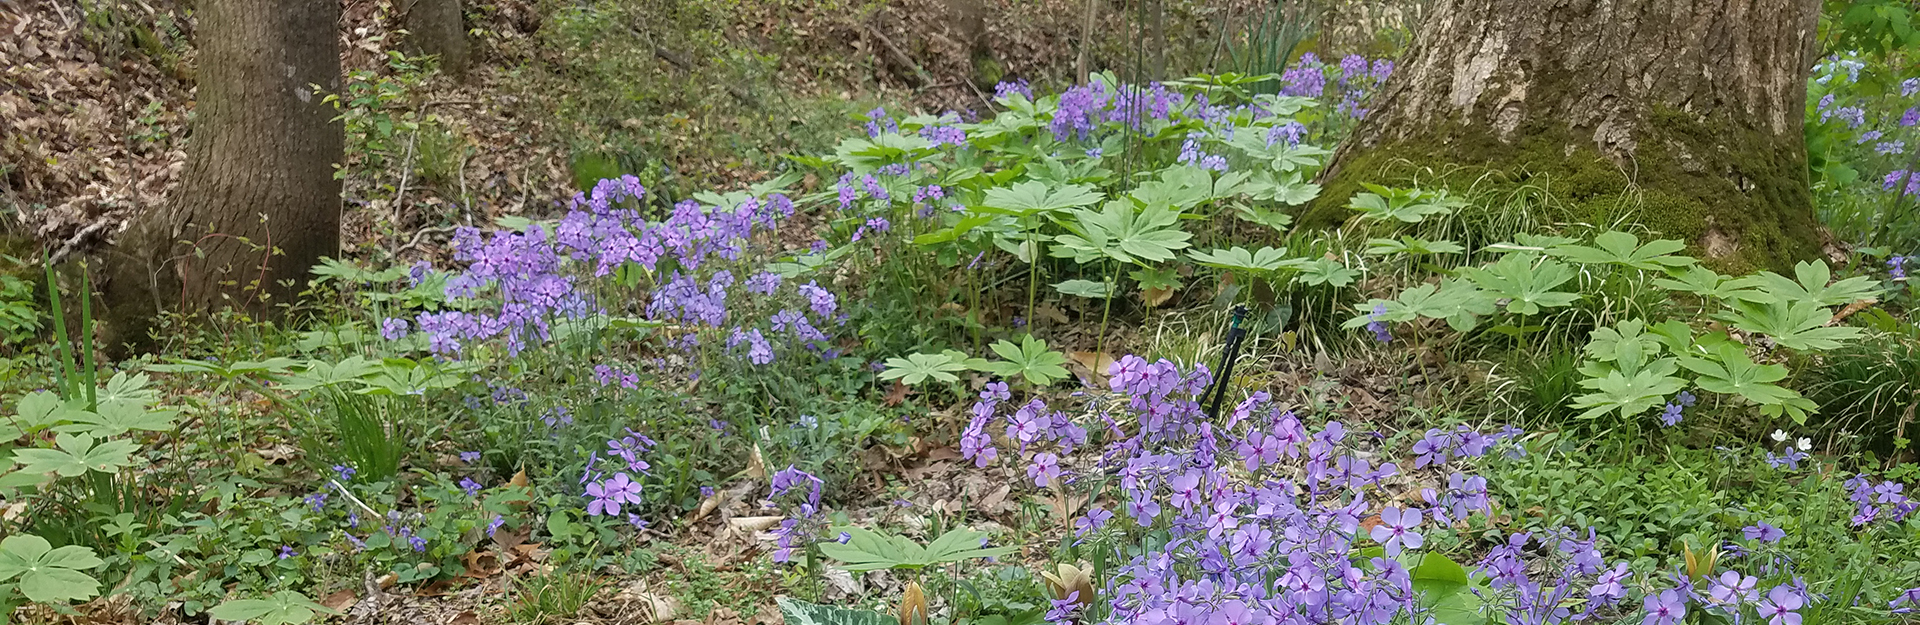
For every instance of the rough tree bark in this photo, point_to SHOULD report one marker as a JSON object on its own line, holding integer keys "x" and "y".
{"x": 437, "y": 28}
{"x": 1682, "y": 115}
{"x": 258, "y": 204}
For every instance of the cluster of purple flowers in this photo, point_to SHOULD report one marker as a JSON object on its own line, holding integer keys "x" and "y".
{"x": 1377, "y": 324}
{"x": 1897, "y": 266}
{"x": 1671, "y": 415}
{"x": 530, "y": 273}
{"x": 1882, "y": 501}
{"x": 1191, "y": 154}
{"x": 803, "y": 522}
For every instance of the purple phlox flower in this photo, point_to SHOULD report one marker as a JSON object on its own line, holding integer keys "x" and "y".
{"x": 787, "y": 479}
{"x": 1909, "y": 598}
{"x": 394, "y": 329}
{"x": 609, "y": 494}
{"x": 1006, "y": 89}
{"x": 1666, "y": 608}
{"x": 1671, "y": 415}
{"x": 1611, "y": 585}
{"x": 1732, "y": 587}
{"x": 844, "y": 538}
{"x": 1781, "y": 605}
{"x": 317, "y": 500}
{"x": 1763, "y": 532}
{"x": 1397, "y": 530}
{"x": 1044, "y": 469}
{"x": 1897, "y": 266}
{"x": 1094, "y": 519}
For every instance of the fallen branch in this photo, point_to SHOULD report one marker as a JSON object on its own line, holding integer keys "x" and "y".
{"x": 901, "y": 60}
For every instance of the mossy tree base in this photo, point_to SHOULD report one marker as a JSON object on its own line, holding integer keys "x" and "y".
{"x": 1682, "y": 117}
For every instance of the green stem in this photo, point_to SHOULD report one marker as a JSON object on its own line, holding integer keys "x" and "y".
{"x": 1033, "y": 271}
{"x": 1105, "y": 311}
{"x": 68, "y": 379}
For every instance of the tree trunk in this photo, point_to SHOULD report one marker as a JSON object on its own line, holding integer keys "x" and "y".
{"x": 258, "y": 204}
{"x": 436, "y": 28}
{"x": 1681, "y": 115}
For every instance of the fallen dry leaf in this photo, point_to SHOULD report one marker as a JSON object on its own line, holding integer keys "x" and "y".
{"x": 756, "y": 464}
{"x": 341, "y": 600}
{"x": 1154, "y": 297}
{"x": 465, "y": 618}
{"x": 754, "y": 523}
{"x": 896, "y": 396}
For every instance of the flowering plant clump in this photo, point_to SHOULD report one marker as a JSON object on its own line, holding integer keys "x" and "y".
{"x": 1259, "y": 517}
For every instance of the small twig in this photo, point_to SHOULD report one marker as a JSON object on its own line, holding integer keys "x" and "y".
{"x": 417, "y": 236}
{"x": 356, "y": 500}
{"x": 406, "y": 167}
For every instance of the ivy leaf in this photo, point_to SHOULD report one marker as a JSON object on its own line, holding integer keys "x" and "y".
{"x": 48, "y": 575}
{"x": 1810, "y": 284}
{"x": 1265, "y": 259}
{"x": 1526, "y": 280}
{"x": 1030, "y": 360}
{"x": 76, "y": 454}
{"x": 281, "y": 608}
{"x": 917, "y": 368}
{"x": 1412, "y": 246}
{"x": 1801, "y": 325}
{"x": 1321, "y": 271}
{"x": 1625, "y": 250}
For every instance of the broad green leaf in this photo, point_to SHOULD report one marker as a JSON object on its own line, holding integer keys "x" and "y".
{"x": 1404, "y": 205}
{"x": 1624, "y": 249}
{"x": 1323, "y": 271}
{"x": 1630, "y": 394}
{"x": 917, "y": 368}
{"x": 76, "y": 454}
{"x": 46, "y": 574}
{"x": 322, "y": 374}
{"x": 1034, "y": 197}
{"x": 799, "y": 612}
{"x": 119, "y": 417}
{"x": 1030, "y": 360}
{"x": 1119, "y": 232}
{"x": 1809, "y": 283}
{"x": 1413, "y": 246}
{"x": 281, "y": 608}
{"x": 1265, "y": 259}
{"x": 1801, "y": 325}
{"x": 1526, "y": 280}
{"x": 1705, "y": 282}
{"x": 866, "y": 550}
{"x": 1085, "y": 288}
